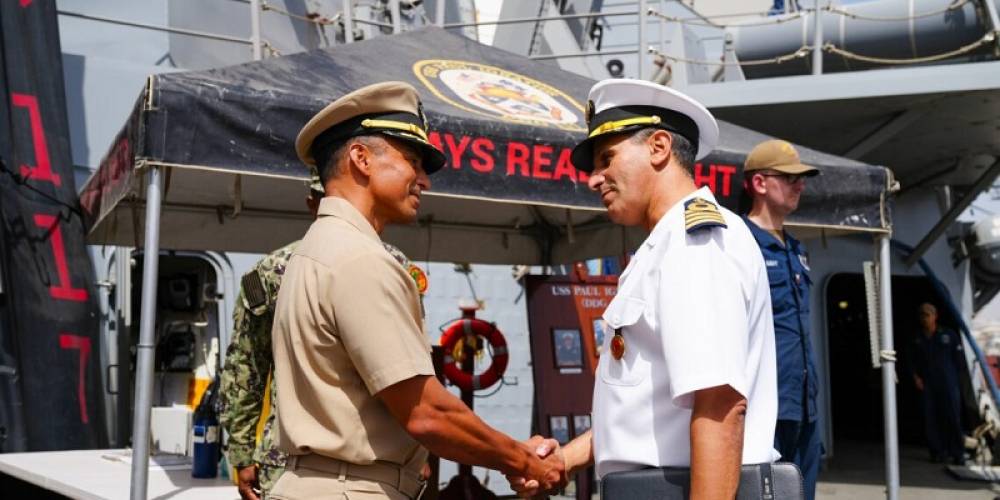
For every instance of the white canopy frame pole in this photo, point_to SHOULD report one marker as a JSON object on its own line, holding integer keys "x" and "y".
{"x": 641, "y": 53}
{"x": 397, "y": 26}
{"x": 888, "y": 357}
{"x": 817, "y": 52}
{"x": 348, "y": 21}
{"x": 255, "y": 40}
{"x": 146, "y": 348}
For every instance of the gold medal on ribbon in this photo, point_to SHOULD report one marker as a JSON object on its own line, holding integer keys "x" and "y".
{"x": 618, "y": 344}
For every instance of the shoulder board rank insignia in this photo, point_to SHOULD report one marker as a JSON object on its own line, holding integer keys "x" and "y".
{"x": 419, "y": 278}
{"x": 700, "y": 213}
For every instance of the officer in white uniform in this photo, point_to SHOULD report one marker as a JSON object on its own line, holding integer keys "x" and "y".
{"x": 688, "y": 379}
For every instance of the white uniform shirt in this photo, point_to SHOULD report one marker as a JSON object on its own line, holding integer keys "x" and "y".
{"x": 695, "y": 313}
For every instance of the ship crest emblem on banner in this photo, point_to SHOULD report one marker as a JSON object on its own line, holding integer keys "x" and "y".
{"x": 498, "y": 93}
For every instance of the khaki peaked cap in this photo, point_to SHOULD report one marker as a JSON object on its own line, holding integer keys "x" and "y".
{"x": 777, "y": 155}
{"x": 392, "y": 109}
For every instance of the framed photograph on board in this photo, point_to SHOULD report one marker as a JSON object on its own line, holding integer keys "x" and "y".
{"x": 568, "y": 347}
{"x": 559, "y": 426}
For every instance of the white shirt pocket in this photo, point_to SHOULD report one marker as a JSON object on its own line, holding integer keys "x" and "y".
{"x": 624, "y": 313}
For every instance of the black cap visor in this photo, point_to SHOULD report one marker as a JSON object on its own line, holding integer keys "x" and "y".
{"x": 402, "y": 126}
{"x": 628, "y": 119}
{"x": 432, "y": 158}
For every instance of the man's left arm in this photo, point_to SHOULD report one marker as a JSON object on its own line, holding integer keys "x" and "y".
{"x": 243, "y": 383}
{"x": 705, "y": 323}
{"x": 717, "y": 421}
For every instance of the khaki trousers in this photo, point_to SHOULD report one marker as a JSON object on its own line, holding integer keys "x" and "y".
{"x": 310, "y": 477}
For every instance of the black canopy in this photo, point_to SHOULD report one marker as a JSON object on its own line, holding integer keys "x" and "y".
{"x": 506, "y": 123}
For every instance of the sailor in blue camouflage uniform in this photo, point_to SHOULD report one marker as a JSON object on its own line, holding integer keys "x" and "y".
{"x": 774, "y": 178}
{"x": 246, "y": 376}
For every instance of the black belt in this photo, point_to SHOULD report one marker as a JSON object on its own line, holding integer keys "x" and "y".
{"x": 780, "y": 481}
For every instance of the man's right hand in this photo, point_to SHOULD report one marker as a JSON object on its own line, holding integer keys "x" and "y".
{"x": 246, "y": 482}
{"x": 553, "y": 475}
{"x": 919, "y": 382}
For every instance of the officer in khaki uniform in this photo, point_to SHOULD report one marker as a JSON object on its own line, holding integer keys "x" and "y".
{"x": 246, "y": 377}
{"x": 360, "y": 406}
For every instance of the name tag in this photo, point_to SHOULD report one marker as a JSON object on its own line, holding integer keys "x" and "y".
{"x": 771, "y": 263}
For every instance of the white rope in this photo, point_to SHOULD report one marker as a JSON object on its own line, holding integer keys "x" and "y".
{"x": 989, "y": 37}
{"x": 957, "y": 4}
{"x": 803, "y": 51}
{"x": 697, "y": 22}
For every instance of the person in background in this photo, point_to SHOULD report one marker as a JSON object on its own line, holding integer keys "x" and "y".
{"x": 774, "y": 178}
{"x": 936, "y": 358}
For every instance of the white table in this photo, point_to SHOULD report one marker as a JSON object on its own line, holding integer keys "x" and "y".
{"x": 105, "y": 475}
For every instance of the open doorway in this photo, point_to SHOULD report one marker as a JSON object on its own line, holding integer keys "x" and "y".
{"x": 188, "y": 338}
{"x": 856, "y": 387}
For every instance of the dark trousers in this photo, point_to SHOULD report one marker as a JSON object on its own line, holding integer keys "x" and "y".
{"x": 799, "y": 443}
{"x": 943, "y": 422}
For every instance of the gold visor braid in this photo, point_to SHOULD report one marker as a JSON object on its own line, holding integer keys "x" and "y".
{"x": 617, "y": 125}
{"x": 395, "y": 125}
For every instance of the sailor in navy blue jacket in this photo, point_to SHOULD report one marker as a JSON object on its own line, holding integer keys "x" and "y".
{"x": 774, "y": 179}
{"x": 936, "y": 361}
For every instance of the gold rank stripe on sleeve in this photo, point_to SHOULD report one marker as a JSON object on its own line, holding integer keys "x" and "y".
{"x": 700, "y": 213}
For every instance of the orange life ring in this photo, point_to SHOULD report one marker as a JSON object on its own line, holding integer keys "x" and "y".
{"x": 453, "y": 368}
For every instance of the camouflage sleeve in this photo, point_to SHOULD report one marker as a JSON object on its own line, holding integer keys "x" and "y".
{"x": 249, "y": 359}
{"x": 244, "y": 380}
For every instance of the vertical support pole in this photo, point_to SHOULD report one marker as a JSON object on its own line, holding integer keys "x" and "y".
{"x": 396, "y": 22}
{"x": 468, "y": 366}
{"x": 255, "y": 41}
{"x": 663, "y": 29}
{"x": 888, "y": 370}
{"x": 119, "y": 346}
{"x": 817, "y": 54}
{"x": 439, "y": 7}
{"x": 348, "y": 21}
{"x": 991, "y": 11}
{"x": 641, "y": 52}
{"x": 147, "y": 345}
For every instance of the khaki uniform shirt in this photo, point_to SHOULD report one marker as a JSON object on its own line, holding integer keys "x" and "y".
{"x": 347, "y": 325}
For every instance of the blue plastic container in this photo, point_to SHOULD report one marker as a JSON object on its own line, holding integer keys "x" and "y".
{"x": 206, "y": 447}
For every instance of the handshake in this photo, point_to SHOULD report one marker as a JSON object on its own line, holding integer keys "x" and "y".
{"x": 550, "y": 471}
